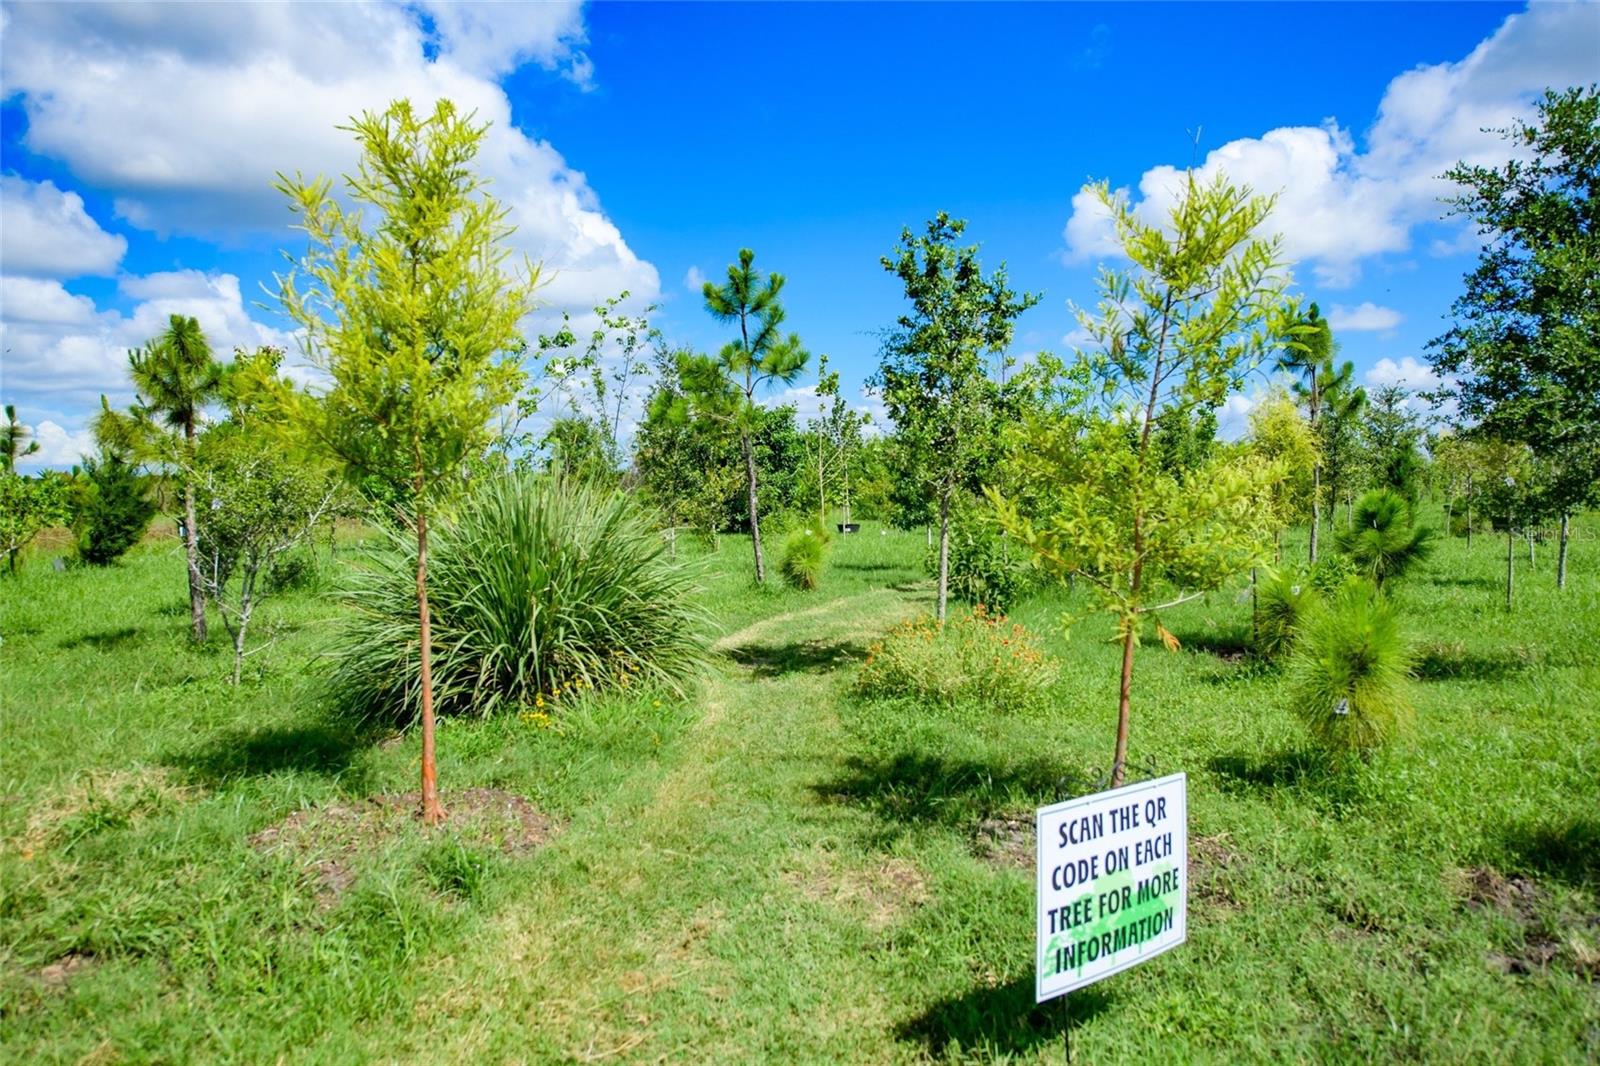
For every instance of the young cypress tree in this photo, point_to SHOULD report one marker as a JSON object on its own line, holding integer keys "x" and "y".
{"x": 114, "y": 510}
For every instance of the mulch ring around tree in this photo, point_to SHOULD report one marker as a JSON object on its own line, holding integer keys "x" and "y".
{"x": 1550, "y": 934}
{"x": 330, "y": 839}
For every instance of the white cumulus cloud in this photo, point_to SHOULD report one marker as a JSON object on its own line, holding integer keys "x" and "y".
{"x": 192, "y": 109}
{"x": 45, "y": 232}
{"x": 1408, "y": 371}
{"x": 1364, "y": 317}
{"x": 1339, "y": 204}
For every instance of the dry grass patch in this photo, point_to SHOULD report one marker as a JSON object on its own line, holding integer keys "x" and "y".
{"x": 879, "y": 894}
{"x": 95, "y": 800}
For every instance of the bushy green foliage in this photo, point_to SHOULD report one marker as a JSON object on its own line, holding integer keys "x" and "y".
{"x": 1350, "y": 673}
{"x": 804, "y": 553}
{"x": 979, "y": 659}
{"x": 1282, "y": 602}
{"x": 28, "y": 505}
{"x": 984, "y": 568}
{"x": 1384, "y": 540}
{"x": 296, "y": 571}
{"x": 538, "y": 590}
{"x": 113, "y": 510}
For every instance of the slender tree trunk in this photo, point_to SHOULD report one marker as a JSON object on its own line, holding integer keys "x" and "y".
{"x": 755, "y": 517}
{"x": 944, "y": 552}
{"x": 1510, "y": 563}
{"x": 1561, "y": 554}
{"x": 1254, "y": 638}
{"x": 432, "y": 813}
{"x": 1316, "y": 507}
{"x": 246, "y": 605}
{"x": 847, "y": 495}
{"x": 191, "y": 548}
{"x": 1469, "y": 514}
{"x": 1528, "y": 533}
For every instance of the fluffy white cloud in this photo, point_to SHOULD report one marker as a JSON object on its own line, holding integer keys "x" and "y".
{"x": 187, "y": 111}
{"x": 45, "y": 232}
{"x": 58, "y": 446}
{"x": 694, "y": 279}
{"x": 1338, "y": 205}
{"x": 1233, "y": 419}
{"x": 62, "y": 352}
{"x": 1364, "y": 317}
{"x": 1408, "y": 371}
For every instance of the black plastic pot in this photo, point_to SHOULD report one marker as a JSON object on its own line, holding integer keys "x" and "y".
{"x": 849, "y": 527}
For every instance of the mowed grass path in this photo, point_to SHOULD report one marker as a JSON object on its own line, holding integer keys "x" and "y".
{"x": 773, "y": 870}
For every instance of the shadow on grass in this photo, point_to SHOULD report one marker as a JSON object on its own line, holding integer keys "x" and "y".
{"x": 1284, "y": 769}
{"x": 874, "y": 568}
{"x": 910, "y": 788}
{"x": 999, "y": 1021}
{"x": 1440, "y": 662}
{"x": 1467, "y": 582}
{"x": 1567, "y": 851}
{"x": 327, "y": 748}
{"x": 102, "y": 641}
{"x": 800, "y": 656}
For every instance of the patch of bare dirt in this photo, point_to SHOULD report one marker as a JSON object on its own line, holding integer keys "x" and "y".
{"x": 1550, "y": 934}
{"x": 1209, "y": 859}
{"x": 880, "y": 893}
{"x": 59, "y": 973}
{"x": 330, "y": 839}
{"x": 1006, "y": 840}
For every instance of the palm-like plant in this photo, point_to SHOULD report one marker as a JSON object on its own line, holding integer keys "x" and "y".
{"x": 176, "y": 377}
{"x": 1384, "y": 541}
{"x": 12, "y": 435}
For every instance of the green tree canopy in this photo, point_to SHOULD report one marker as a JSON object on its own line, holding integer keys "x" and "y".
{"x": 406, "y": 304}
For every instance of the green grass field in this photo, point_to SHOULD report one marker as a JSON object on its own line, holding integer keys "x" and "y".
{"x": 773, "y": 870}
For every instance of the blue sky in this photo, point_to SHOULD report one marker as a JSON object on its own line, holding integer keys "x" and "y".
{"x": 641, "y": 145}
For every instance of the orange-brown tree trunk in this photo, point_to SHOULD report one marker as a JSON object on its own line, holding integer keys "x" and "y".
{"x": 1119, "y": 761}
{"x": 430, "y": 810}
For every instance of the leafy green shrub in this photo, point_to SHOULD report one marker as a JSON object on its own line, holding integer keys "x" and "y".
{"x": 296, "y": 571}
{"x": 1350, "y": 672}
{"x": 113, "y": 510}
{"x": 804, "y": 552}
{"x": 983, "y": 567}
{"x": 1384, "y": 541}
{"x": 1332, "y": 572}
{"x": 1282, "y": 603}
{"x": 976, "y": 658}
{"x": 538, "y": 589}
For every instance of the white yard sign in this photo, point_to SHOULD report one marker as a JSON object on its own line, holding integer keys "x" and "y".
{"x": 1112, "y": 882}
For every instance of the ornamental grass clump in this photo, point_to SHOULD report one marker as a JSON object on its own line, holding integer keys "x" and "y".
{"x": 539, "y": 590}
{"x": 1349, "y": 677}
{"x": 804, "y": 553}
{"x": 974, "y": 659}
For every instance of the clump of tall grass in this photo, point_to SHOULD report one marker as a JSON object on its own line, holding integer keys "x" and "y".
{"x": 1349, "y": 676}
{"x": 1384, "y": 540}
{"x": 804, "y": 553}
{"x": 538, "y": 589}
